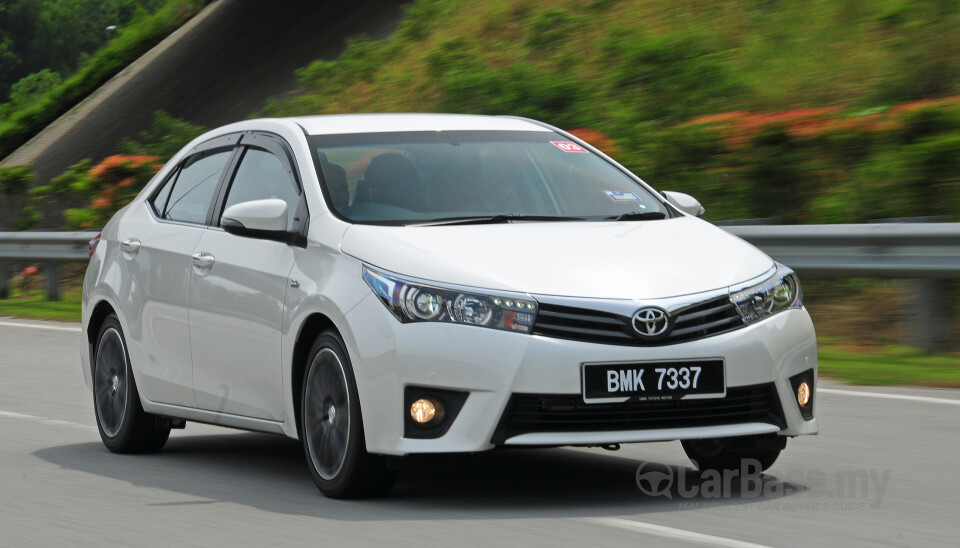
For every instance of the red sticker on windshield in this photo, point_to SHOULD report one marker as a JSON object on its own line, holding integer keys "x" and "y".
{"x": 567, "y": 146}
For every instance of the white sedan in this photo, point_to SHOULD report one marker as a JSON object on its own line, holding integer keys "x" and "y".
{"x": 384, "y": 285}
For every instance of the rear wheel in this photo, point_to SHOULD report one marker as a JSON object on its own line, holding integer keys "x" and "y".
{"x": 124, "y": 426}
{"x": 332, "y": 429}
{"x": 728, "y": 453}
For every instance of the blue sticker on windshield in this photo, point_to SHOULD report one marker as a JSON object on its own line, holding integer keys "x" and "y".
{"x": 622, "y": 196}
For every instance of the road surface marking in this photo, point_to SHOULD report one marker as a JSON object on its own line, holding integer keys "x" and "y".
{"x": 40, "y": 326}
{"x": 42, "y": 420}
{"x": 886, "y": 396}
{"x": 671, "y": 533}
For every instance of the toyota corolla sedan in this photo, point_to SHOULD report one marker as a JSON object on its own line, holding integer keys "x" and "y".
{"x": 386, "y": 285}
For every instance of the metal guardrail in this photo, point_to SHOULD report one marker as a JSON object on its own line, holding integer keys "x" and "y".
{"x": 45, "y": 246}
{"x": 49, "y": 248}
{"x": 882, "y": 250}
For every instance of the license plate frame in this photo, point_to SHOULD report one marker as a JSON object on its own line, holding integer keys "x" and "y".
{"x": 715, "y": 385}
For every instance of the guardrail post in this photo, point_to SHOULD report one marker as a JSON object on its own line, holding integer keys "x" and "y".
{"x": 931, "y": 304}
{"x": 4, "y": 280}
{"x": 51, "y": 273}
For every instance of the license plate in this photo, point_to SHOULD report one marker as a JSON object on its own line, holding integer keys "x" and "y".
{"x": 673, "y": 380}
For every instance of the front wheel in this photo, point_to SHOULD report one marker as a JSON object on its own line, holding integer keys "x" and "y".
{"x": 332, "y": 429}
{"x": 123, "y": 424}
{"x": 729, "y": 453}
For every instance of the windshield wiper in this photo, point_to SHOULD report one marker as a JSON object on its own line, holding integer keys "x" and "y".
{"x": 638, "y": 216}
{"x": 494, "y": 219}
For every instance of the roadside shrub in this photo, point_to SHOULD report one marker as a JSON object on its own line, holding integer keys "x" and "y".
{"x": 16, "y": 179}
{"x": 31, "y": 87}
{"x": 359, "y": 61}
{"x": 165, "y": 137}
{"x": 420, "y": 17}
{"x": 112, "y": 184}
{"x": 674, "y": 76}
{"x": 548, "y": 30}
{"x": 521, "y": 89}
{"x": 106, "y": 187}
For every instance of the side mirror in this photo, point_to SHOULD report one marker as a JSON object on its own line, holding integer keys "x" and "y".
{"x": 266, "y": 219}
{"x": 684, "y": 202}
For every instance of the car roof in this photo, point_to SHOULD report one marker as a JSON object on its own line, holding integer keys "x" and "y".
{"x": 333, "y": 124}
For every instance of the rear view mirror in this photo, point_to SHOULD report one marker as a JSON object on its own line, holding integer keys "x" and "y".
{"x": 266, "y": 219}
{"x": 684, "y": 202}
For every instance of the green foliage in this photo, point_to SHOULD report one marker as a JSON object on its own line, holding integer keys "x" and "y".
{"x": 81, "y": 218}
{"x": 31, "y": 87}
{"x": 29, "y": 218}
{"x": 76, "y": 180}
{"x": 107, "y": 187}
{"x": 780, "y": 184}
{"x": 420, "y": 17}
{"x": 930, "y": 170}
{"x": 521, "y": 89}
{"x": 674, "y": 77}
{"x": 923, "y": 33}
{"x": 166, "y": 136}
{"x": 359, "y": 62}
{"x": 601, "y": 5}
{"x": 549, "y": 30}
{"x": 130, "y": 42}
{"x": 55, "y": 34}
{"x": 16, "y": 179}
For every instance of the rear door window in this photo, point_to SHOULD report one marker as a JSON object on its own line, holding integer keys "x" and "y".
{"x": 193, "y": 187}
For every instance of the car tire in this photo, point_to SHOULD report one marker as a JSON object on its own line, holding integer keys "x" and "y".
{"x": 332, "y": 428}
{"x": 123, "y": 424}
{"x": 728, "y": 453}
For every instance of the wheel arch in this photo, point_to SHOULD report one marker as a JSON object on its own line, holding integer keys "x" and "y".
{"x": 312, "y": 327}
{"x": 100, "y": 312}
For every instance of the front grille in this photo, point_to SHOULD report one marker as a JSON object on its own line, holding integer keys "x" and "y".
{"x": 581, "y": 324}
{"x": 528, "y": 413}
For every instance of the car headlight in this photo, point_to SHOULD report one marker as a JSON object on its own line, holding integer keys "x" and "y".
{"x": 412, "y": 301}
{"x": 780, "y": 292}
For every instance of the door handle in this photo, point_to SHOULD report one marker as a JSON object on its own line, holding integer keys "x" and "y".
{"x": 203, "y": 260}
{"x": 130, "y": 246}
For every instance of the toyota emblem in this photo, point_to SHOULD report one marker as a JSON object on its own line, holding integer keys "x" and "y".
{"x": 651, "y": 322}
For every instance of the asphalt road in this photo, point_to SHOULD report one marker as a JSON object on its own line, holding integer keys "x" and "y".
{"x": 210, "y": 486}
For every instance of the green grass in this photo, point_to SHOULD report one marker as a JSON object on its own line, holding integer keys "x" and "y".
{"x": 32, "y": 304}
{"x": 894, "y": 366}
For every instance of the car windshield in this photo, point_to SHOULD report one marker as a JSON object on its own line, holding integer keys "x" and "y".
{"x": 452, "y": 177}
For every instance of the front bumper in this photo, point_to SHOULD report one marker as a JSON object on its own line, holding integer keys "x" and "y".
{"x": 493, "y": 365}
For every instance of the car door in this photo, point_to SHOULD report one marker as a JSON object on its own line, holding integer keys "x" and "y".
{"x": 157, "y": 244}
{"x": 237, "y": 290}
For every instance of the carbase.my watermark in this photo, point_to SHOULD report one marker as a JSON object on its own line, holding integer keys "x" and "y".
{"x": 853, "y": 489}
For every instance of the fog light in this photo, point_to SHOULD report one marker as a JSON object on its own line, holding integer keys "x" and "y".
{"x": 423, "y": 410}
{"x": 803, "y": 394}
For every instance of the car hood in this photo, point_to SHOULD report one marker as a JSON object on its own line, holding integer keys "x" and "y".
{"x": 610, "y": 260}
